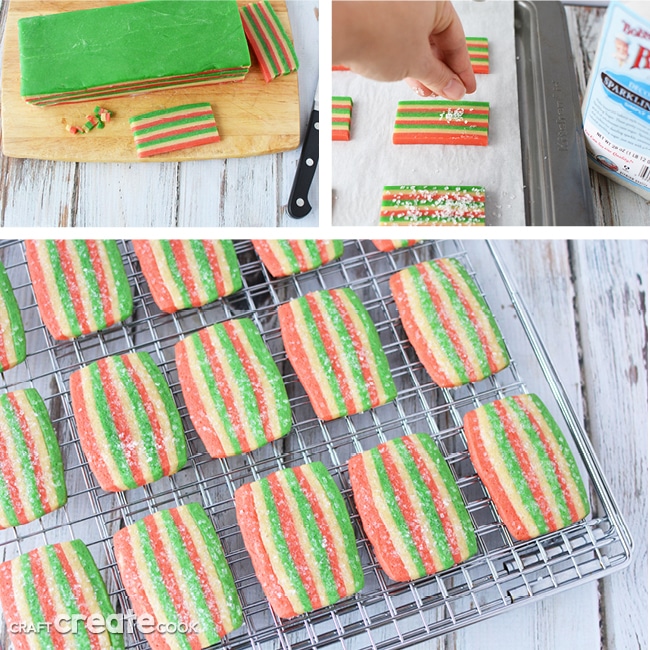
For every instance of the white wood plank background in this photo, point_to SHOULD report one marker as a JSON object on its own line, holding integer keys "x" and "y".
{"x": 237, "y": 192}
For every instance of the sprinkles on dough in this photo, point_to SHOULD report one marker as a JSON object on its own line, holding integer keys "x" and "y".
{"x": 478, "y": 54}
{"x": 341, "y": 117}
{"x": 441, "y": 122}
{"x": 170, "y": 129}
{"x": 269, "y": 40}
{"x": 432, "y": 205}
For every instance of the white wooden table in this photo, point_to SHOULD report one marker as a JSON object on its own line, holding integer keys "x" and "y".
{"x": 588, "y": 300}
{"x": 237, "y": 192}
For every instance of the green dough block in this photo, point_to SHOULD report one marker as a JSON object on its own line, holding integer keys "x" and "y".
{"x": 136, "y": 47}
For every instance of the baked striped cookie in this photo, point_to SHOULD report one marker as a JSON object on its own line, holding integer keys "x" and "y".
{"x": 270, "y": 42}
{"x": 174, "y": 570}
{"x": 389, "y": 245}
{"x": 525, "y": 463}
{"x": 31, "y": 469}
{"x": 234, "y": 392}
{"x": 128, "y": 424}
{"x": 441, "y": 122}
{"x": 297, "y": 531}
{"x": 12, "y": 333}
{"x": 448, "y": 322}
{"x": 46, "y": 586}
{"x": 283, "y": 257}
{"x": 184, "y": 273}
{"x": 335, "y": 350}
{"x": 80, "y": 285}
{"x": 411, "y": 508}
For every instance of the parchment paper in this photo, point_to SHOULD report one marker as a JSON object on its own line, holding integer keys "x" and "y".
{"x": 362, "y": 166}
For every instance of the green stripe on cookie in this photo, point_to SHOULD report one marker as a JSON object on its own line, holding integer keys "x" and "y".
{"x": 60, "y": 279}
{"x": 205, "y": 270}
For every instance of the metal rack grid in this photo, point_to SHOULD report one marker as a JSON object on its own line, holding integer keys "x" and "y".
{"x": 384, "y": 614}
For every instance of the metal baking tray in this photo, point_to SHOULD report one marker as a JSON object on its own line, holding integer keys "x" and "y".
{"x": 557, "y": 190}
{"x": 384, "y": 614}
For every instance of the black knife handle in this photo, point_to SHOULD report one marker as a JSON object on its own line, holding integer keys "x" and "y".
{"x": 299, "y": 206}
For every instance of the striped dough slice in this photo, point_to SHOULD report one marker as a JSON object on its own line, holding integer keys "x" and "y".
{"x": 299, "y": 536}
{"x": 128, "y": 423}
{"x": 174, "y": 570}
{"x": 80, "y": 285}
{"x": 411, "y": 508}
{"x": 335, "y": 350}
{"x": 448, "y": 322}
{"x": 184, "y": 273}
{"x": 524, "y": 460}
{"x": 234, "y": 392}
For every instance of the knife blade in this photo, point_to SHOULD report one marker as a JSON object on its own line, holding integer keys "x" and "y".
{"x": 299, "y": 205}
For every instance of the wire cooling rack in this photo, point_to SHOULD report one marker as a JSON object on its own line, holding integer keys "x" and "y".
{"x": 384, "y": 614}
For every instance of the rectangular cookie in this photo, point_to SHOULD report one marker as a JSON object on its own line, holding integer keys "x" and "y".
{"x": 174, "y": 570}
{"x": 80, "y": 285}
{"x": 233, "y": 390}
{"x": 75, "y": 55}
{"x": 283, "y": 257}
{"x": 448, "y": 322}
{"x": 12, "y": 332}
{"x": 478, "y": 54}
{"x": 442, "y": 122}
{"x": 31, "y": 469}
{"x": 46, "y": 586}
{"x": 341, "y": 117}
{"x": 298, "y": 534}
{"x": 128, "y": 423}
{"x": 335, "y": 350}
{"x": 525, "y": 463}
{"x": 411, "y": 508}
{"x": 184, "y": 273}
{"x": 270, "y": 42}
{"x": 171, "y": 129}
{"x": 432, "y": 205}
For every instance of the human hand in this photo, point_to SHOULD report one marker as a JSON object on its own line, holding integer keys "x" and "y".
{"x": 422, "y": 42}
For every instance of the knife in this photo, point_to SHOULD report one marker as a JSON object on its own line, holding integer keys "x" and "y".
{"x": 299, "y": 206}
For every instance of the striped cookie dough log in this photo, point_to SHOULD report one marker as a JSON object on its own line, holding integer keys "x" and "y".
{"x": 80, "y": 285}
{"x": 298, "y": 533}
{"x": 335, "y": 350}
{"x": 448, "y": 322}
{"x": 283, "y": 257}
{"x": 341, "y": 117}
{"x": 526, "y": 465}
{"x": 184, "y": 273}
{"x": 411, "y": 508}
{"x": 270, "y": 42}
{"x": 31, "y": 469}
{"x": 128, "y": 424}
{"x": 432, "y": 205}
{"x": 234, "y": 392}
{"x": 441, "y": 122}
{"x": 12, "y": 333}
{"x": 51, "y": 584}
{"x": 170, "y": 129}
{"x": 478, "y": 54}
{"x": 174, "y": 570}
{"x": 389, "y": 245}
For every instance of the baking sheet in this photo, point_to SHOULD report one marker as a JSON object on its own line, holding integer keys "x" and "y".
{"x": 362, "y": 166}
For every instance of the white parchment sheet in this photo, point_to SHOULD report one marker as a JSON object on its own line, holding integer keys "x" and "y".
{"x": 362, "y": 166}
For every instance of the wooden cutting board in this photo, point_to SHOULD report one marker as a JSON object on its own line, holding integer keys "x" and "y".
{"x": 253, "y": 117}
